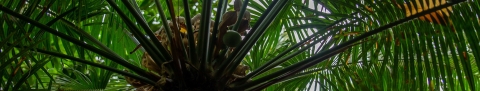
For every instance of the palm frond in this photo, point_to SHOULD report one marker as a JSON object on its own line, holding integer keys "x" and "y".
{"x": 292, "y": 45}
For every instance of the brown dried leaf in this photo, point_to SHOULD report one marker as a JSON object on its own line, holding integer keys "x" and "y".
{"x": 244, "y": 23}
{"x": 134, "y": 82}
{"x": 196, "y": 23}
{"x": 148, "y": 63}
{"x": 237, "y": 5}
{"x": 240, "y": 70}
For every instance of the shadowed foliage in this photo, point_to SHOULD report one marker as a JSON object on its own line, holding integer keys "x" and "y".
{"x": 285, "y": 45}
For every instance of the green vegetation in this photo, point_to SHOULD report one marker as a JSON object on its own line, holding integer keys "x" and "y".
{"x": 288, "y": 45}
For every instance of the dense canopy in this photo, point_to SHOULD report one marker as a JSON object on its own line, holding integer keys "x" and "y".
{"x": 286, "y": 45}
